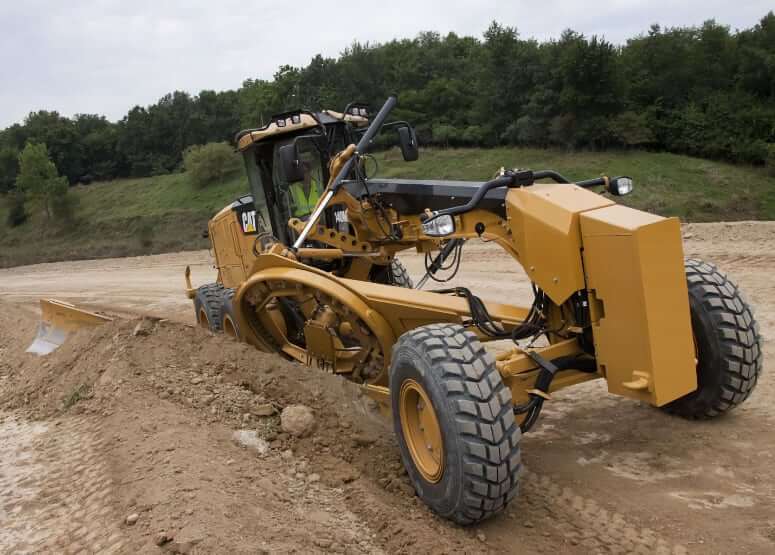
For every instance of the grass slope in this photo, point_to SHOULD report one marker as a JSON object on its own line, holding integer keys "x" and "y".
{"x": 166, "y": 213}
{"x": 121, "y": 218}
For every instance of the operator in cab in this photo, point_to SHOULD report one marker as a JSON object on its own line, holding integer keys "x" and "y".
{"x": 305, "y": 193}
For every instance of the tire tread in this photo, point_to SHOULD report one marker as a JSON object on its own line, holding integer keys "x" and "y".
{"x": 483, "y": 415}
{"x": 737, "y": 334}
{"x": 210, "y": 296}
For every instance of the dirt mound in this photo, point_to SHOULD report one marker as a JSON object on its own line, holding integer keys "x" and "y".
{"x": 165, "y": 405}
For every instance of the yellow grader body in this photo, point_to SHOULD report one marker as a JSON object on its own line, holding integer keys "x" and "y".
{"x": 613, "y": 299}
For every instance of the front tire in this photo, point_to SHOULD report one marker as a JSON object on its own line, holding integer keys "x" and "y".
{"x": 475, "y": 473}
{"x": 727, "y": 341}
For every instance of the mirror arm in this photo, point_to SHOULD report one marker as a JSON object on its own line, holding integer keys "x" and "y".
{"x": 399, "y": 123}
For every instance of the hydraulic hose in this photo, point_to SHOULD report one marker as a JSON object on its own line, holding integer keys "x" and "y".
{"x": 544, "y": 380}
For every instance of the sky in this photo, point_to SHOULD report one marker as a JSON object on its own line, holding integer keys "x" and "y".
{"x": 106, "y": 56}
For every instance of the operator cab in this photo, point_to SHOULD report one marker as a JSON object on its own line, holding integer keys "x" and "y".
{"x": 287, "y": 163}
{"x": 317, "y": 137}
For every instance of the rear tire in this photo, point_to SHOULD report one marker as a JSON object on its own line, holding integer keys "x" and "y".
{"x": 480, "y": 460}
{"x": 229, "y": 323}
{"x": 400, "y": 277}
{"x": 393, "y": 274}
{"x": 729, "y": 350}
{"x": 207, "y": 306}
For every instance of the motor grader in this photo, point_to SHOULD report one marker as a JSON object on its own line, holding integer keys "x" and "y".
{"x": 614, "y": 299}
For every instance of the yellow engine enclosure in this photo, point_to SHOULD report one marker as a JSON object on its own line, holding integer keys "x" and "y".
{"x": 639, "y": 301}
{"x": 232, "y": 249}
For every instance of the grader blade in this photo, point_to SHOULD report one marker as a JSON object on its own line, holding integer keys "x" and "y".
{"x": 57, "y": 320}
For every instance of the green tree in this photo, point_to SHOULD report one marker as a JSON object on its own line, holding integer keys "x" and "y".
{"x": 60, "y": 136}
{"x": 631, "y": 129}
{"x": 9, "y": 166}
{"x": 444, "y": 134}
{"x": 97, "y": 137}
{"x": 256, "y": 100}
{"x": 756, "y": 58}
{"x": 40, "y": 181}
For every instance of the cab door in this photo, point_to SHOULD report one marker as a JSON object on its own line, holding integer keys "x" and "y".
{"x": 266, "y": 217}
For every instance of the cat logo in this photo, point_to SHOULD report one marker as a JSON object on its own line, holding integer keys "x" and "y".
{"x": 249, "y": 221}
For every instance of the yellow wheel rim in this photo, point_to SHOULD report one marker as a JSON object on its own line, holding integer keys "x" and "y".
{"x": 421, "y": 431}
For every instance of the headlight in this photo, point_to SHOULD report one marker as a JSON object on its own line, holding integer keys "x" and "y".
{"x": 439, "y": 226}
{"x": 620, "y": 185}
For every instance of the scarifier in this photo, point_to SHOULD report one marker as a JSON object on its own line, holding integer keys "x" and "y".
{"x": 613, "y": 299}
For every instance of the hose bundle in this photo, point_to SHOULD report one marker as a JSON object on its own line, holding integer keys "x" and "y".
{"x": 533, "y": 325}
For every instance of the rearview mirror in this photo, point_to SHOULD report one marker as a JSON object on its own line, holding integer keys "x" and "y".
{"x": 408, "y": 141}
{"x": 290, "y": 163}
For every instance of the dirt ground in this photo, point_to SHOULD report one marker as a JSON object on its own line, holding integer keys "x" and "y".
{"x": 118, "y": 424}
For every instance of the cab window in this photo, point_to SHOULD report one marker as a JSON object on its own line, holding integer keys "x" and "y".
{"x": 298, "y": 198}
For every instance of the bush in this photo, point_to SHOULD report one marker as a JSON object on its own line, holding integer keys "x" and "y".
{"x": 17, "y": 215}
{"x": 632, "y": 129}
{"x": 562, "y": 130}
{"x": 474, "y": 135}
{"x": 771, "y": 158}
{"x": 527, "y": 130}
{"x": 63, "y": 207}
{"x": 750, "y": 152}
{"x": 145, "y": 235}
{"x": 444, "y": 134}
{"x": 210, "y": 163}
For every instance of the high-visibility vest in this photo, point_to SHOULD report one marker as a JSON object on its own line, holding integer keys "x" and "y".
{"x": 302, "y": 204}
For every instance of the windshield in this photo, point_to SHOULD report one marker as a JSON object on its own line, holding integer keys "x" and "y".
{"x": 298, "y": 198}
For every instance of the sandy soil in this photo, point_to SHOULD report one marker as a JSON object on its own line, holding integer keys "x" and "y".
{"x": 116, "y": 424}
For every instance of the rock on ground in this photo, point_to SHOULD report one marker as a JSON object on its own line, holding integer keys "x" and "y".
{"x": 250, "y": 440}
{"x": 297, "y": 420}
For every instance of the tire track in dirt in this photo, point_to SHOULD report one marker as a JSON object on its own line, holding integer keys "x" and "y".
{"x": 584, "y": 523}
{"x": 55, "y": 490}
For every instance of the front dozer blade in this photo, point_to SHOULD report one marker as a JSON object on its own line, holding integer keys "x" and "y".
{"x": 57, "y": 319}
